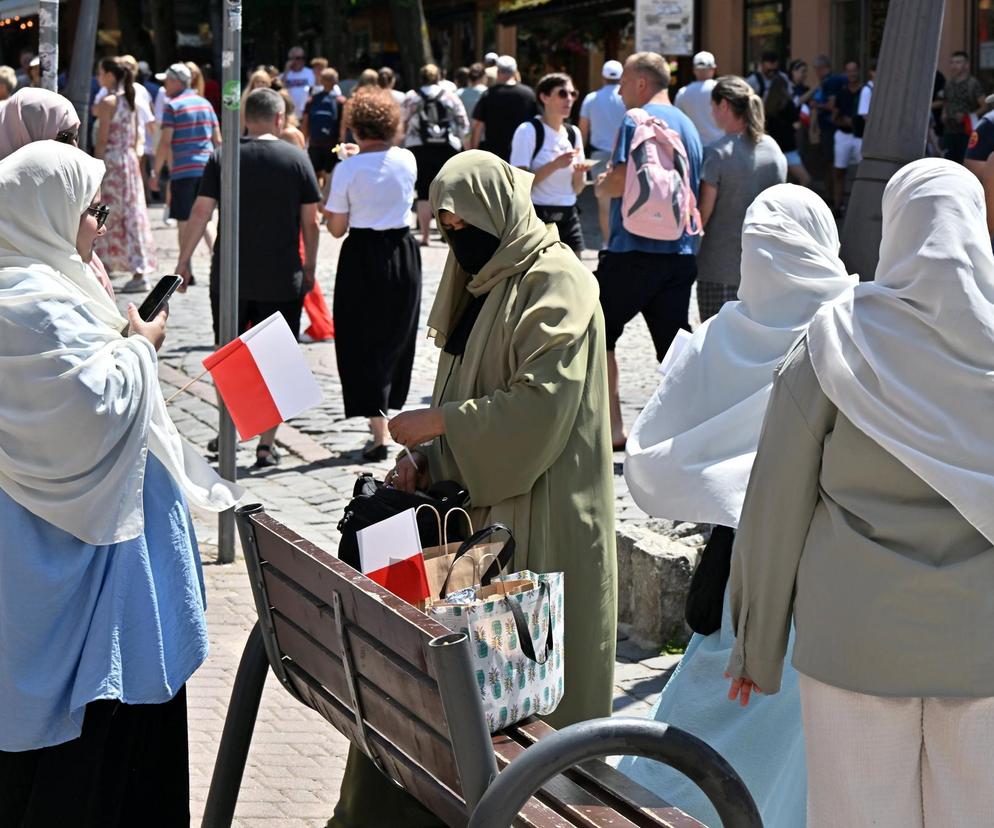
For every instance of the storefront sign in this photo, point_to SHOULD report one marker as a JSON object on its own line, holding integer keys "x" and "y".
{"x": 664, "y": 26}
{"x": 505, "y": 6}
{"x": 987, "y": 55}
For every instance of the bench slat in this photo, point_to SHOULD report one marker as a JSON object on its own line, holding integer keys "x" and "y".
{"x": 432, "y": 794}
{"x": 384, "y": 616}
{"x": 414, "y": 737}
{"x": 580, "y": 806}
{"x": 641, "y": 805}
{"x": 412, "y": 689}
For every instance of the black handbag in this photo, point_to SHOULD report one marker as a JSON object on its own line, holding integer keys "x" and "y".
{"x": 373, "y": 501}
{"x": 706, "y": 597}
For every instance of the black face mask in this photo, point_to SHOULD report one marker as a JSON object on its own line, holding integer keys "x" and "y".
{"x": 472, "y": 247}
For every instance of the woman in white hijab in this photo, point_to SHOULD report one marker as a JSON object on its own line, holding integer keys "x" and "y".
{"x": 690, "y": 455}
{"x": 101, "y": 595}
{"x": 868, "y": 519}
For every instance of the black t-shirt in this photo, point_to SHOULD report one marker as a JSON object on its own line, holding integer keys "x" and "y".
{"x": 275, "y": 180}
{"x": 502, "y": 108}
{"x": 846, "y": 101}
{"x": 780, "y": 127}
{"x": 982, "y": 141}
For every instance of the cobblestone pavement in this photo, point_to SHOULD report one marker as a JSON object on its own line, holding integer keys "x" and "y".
{"x": 297, "y": 759}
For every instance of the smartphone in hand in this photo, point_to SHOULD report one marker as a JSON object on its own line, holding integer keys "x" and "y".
{"x": 157, "y": 299}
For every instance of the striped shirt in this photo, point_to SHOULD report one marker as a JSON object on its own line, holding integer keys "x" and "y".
{"x": 193, "y": 122}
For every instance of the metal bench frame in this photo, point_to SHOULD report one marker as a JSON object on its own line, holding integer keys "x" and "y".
{"x": 478, "y": 796}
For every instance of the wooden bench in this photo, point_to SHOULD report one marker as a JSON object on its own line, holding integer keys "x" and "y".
{"x": 401, "y": 687}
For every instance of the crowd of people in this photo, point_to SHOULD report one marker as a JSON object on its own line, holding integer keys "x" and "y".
{"x": 830, "y": 432}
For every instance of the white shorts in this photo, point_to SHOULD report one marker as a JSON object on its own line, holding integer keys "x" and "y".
{"x": 848, "y": 149}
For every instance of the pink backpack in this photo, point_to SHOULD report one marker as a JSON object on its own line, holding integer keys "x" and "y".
{"x": 658, "y": 202}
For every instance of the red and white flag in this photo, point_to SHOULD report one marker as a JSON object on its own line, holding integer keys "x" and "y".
{"x": 263, "y": 378}
{"x": 390, "y": 554}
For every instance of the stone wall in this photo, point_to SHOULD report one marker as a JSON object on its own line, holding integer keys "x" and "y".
{"x": 656, "y": 559}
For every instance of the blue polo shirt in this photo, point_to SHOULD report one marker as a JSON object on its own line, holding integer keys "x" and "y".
{"x": 193, "y": 122}
{"x": 621, "y": 240}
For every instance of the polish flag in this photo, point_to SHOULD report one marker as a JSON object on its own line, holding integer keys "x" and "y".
{"x": 390, "y": 554}
{"x": 263, "y": 378}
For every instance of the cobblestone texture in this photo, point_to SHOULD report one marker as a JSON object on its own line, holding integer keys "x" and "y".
{"x": 297, "y": 759}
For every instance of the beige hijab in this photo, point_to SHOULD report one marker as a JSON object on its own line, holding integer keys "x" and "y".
{"x": 492, "y": 195}
{"x": 33, "y": 115}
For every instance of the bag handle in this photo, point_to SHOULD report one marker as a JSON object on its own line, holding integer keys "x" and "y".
{"x": 438, "y": 518}
{"x": 445, "y": 531}
{"x": 504, "y": 557}
{"x": 521, "y": 624}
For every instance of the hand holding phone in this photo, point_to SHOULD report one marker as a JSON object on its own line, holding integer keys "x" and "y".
{"x": 156, "y": 300}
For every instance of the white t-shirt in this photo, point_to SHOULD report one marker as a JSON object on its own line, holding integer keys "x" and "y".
{"x": 694, "y": 101}
{"x": 143, "y": 106}
{"x": 298, "y": 84}
{"x": 376, "y": 189}
{"x": 557, "y": 189}
{"x": 865, "y": 95}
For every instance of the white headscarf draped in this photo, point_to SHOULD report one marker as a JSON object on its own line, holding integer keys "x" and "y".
{"x": 691, "y": 451}
{"x": 909, "y": 359}
{"x": 80, "y": 405}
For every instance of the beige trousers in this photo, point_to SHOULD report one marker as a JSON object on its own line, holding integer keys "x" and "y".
{"x": 897, "y": 762}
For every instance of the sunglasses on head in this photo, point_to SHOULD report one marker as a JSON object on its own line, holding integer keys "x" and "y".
{"x": 567, "y": 93}
{"x": 100, "y": 212}
{"x": 67, "y": 136}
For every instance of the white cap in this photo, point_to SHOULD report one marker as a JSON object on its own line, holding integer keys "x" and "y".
{"x": 612, "y": 70}
{"x": 506, "y": 63}
{"x": 178, "y": 71}
{"x": 490, "y": 58}
{"x": 704, "y": 60}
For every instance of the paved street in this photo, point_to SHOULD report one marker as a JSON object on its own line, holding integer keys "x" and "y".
{"x": 297, "y": 759}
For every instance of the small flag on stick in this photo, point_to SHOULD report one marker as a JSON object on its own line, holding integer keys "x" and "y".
{"x": 263, "y": 378}
{"x": 390, "y": 554}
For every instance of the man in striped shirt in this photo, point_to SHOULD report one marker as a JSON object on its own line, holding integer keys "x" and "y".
{"x": 190, "y": 132}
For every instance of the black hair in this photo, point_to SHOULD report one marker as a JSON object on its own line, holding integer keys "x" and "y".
{"x": 551, "y": 82}
{"x": 122, "y": 74}
{"x": 962, "y": 54}
{"x": 769, "y": 57}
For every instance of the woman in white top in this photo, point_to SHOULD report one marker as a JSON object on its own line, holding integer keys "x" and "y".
{"x": 557, "y": 159}
{"x": 378, "y": 286}
{"x": 435, "y": 122}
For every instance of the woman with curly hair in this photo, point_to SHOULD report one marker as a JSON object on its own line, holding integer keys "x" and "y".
{"x": 371, "y": 195}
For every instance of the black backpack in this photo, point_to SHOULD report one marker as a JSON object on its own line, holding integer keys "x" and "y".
{"x": 372, "y": 502}
{"x": 540, "y": 136}
{"x": 322, "y": 118}
{"x": 434, "y": 122}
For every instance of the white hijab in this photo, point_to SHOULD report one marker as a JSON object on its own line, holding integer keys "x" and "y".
{"x": 691, "y": 451}
{"x": 909, "y": 359}
{"x": 80, "y": 405}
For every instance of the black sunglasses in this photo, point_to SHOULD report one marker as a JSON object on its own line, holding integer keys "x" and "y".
{"x": 67, "y": 136}
{"x": 567, "y": 93}
{"x": 100, "y": 212}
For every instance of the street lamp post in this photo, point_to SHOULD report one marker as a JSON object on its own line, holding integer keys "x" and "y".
{"x": 897, "y": 126}
{"x": 48, "y": 43}
{"x": 231, "y": 71}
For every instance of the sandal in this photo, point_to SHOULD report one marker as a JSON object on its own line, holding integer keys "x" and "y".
{"x": 375, "y": 454}
{"x": 266, "y": 456}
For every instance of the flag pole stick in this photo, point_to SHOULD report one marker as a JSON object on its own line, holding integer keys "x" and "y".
{"x": 185, "y": 387}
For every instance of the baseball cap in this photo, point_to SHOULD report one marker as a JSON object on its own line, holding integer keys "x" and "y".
{"x": 178, "y": 71}
{"x": 705, "y": 60}
{"x": 490, "y": 58}
{"x": 506, "y": 63}
{"x": 612, "y": 70}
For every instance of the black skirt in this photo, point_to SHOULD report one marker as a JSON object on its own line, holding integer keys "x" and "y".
{"x": 376, "y": 308}
{"x": 567, "y": 220}
{"x": 130, "y": 766}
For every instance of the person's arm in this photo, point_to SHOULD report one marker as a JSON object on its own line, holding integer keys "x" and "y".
{"x": 776, "y": 514}
{"x": 200, "y": 215}
{"x": 161, "y": 154}
{"x": 309, "y": 229}
{"x": 216, "y": 136}
{"x": 338, "y": 224}
{"x": 474, "y": 141}
{"x": 709, "y": 195}
{"x": 105, "y": 113}
{"x": 460, "y": 117}
{"x": 611, "y": 183}
{"x": 305, "y": 123}
{"x": 585, "y": 130}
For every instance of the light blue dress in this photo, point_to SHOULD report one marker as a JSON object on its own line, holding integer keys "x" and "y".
{"x": 764, "y": 742}
{"x": 80, "y": 623}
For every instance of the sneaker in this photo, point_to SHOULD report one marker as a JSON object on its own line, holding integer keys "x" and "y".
{"x": 139, "y": 284}
{"x": 166, "y": 221}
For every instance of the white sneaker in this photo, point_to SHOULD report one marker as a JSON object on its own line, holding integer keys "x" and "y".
{"x": 166, "y": 221}
{"x": 139, "y": 284}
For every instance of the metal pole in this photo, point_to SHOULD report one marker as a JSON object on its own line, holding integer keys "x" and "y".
{"x": 231, "y": 66}
{"x": 48, "y": 43}
{"x": 897, "y": 126}
{"x": 464, "y": 713}
{"x": 83, "y": 46}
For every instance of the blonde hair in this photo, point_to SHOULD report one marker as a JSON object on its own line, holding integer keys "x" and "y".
{"x": 744, "y": 102}
{"x": 8, "y": 77}
{"x": 196, "y": 78}
{"x": 369, "y": 77}
{"x": 429, "y": 74}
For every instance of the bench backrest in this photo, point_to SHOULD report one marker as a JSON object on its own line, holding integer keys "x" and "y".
{"x": 359, "y": 656}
